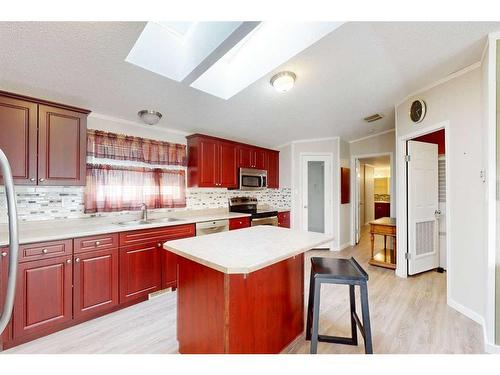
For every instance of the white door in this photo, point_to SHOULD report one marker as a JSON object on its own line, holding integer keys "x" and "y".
{"x": 423, "y": 226}
{"x": 358, "y": 201}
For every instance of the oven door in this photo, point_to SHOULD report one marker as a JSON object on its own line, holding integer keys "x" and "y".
{"x": 273, "y": 220}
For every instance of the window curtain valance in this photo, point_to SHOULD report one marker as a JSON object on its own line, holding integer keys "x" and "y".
{"x": 113, "y": 188}
{"x": 106, "y": 145}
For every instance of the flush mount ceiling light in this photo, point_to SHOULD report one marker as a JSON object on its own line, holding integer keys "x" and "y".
{"x": 150, "y": 117}
{"x": 283, "y": 81}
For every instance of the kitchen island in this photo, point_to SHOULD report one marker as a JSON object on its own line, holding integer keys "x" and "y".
{"x": 242, "y": 291}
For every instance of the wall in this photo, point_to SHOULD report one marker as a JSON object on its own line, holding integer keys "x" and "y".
{"x": 56, "y": 202}
{"x": 457, "y": 101}
{"x": 328, "y": 146}
{"x": 362, "y": 194}
{"x": 285, "y": 166}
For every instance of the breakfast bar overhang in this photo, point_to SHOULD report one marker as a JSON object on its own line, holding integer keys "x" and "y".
{"x": 242, "y": 291}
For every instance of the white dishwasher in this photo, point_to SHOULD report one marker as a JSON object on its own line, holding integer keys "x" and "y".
{"x": 209, "y": 227}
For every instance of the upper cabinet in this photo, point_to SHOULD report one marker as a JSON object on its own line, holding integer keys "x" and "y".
{"x": 215, "y": 162}
{"x": 44, "y": 142}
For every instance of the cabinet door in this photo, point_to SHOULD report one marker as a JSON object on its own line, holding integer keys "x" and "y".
{"x": 95, "y": 282}
{"x": 18, "y": 138}
{"x": 43, "y": 296}
{"x": 260, "y": 159}
{"x": 140, "y": 271}
{"x": 4, "y": 269}
{"x": 284, "y": 219}
{"x": 169, "y": 270}
{"x": 228, "y": 169}
{"x": 62, "y": 146}
{"x": 245, "y": 157}
{"x": 273, "y": 170}
{"x": 208, "y": 163}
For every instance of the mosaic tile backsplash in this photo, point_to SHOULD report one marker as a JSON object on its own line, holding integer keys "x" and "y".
{"x": 55, "y": 202}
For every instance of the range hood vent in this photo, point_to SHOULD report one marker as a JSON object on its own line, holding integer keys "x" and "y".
{"x": 372, "y": 118}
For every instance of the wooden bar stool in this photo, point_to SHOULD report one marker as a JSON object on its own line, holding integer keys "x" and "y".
{"x": 338, "y": 271}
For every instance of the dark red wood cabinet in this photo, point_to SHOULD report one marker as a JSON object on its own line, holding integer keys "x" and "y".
{"x": 215, "y": 162}
{"x": 18, "y": 138}
{"x": 211, "y": 163}
{"x": 140, "y": 271}
{"x": 45, "y": 142}
{"x": 382, "y": 209}
{"x": 95, "y": 287}
{"x": 238, "y": 223}
{"x": 284, "y": 219}
{"x": 44, "y": 296}
{"x": 4, "y": 269}
{"x": 273, "y": 169}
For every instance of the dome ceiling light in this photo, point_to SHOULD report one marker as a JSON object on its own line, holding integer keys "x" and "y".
{"x": 149, "y": 116}
{"x": 283, "y": 81}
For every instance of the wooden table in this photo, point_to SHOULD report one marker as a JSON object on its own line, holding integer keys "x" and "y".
{"x": 385, "y": 226}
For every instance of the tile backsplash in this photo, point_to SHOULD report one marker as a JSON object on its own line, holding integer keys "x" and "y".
{"x": 56, "y": 202}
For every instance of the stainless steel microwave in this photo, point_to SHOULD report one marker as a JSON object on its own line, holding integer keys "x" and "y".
{"x": 253, "y": 179}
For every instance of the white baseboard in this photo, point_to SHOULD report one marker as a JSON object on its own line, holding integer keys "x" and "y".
{"x": 488, "y": 346}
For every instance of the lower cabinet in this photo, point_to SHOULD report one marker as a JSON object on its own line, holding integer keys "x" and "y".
{"x": 140, "y": 271}
{"x": 95, "y": 289}
{"x": 4, "y": 269}
{"x": 168, "y": 270}
{"x": 284, "y": 219}
{"x": 44, "y": 298}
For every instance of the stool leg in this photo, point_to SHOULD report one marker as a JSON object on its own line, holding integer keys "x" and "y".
{"x": 354, "y": 330}
{"x": 310, "y": 307}
{"x": 314, "y": 337}
{"x": 366, "y": 319}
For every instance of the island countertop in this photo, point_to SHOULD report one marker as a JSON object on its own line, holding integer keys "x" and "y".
{"x": 246, "y": 250}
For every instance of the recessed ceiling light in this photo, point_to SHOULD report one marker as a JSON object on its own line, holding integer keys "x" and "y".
{"x": 149, "y": 116}
{"x": 283, "y": 81}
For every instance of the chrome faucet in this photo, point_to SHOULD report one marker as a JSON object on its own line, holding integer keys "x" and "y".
{"x": 144, "y": 209}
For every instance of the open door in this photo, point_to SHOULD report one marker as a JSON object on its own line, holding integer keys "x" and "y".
{"x": 423, "y": 209}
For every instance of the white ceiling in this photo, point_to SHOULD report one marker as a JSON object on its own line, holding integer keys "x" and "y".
{"x": 357, "y": 70}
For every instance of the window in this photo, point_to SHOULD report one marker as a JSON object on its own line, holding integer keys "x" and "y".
{"x": 117, "y": 181}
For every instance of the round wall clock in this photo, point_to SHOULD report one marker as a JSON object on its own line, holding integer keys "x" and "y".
{"x": 417, "y": 110}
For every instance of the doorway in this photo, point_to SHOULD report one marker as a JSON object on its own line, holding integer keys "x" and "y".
{"x": 316, "y": 176}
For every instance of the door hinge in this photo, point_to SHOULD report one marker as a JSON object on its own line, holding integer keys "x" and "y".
{"x": 407, "y": 158}
{"x": 407, "y": 256}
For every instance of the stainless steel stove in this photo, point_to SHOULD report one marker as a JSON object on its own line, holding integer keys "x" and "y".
{"x": 248, "y": 205}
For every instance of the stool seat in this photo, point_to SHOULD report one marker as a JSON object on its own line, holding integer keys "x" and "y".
{"x": 343, "y": 269}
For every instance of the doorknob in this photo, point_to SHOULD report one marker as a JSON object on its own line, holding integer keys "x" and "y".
{"x": 305, "y": 206}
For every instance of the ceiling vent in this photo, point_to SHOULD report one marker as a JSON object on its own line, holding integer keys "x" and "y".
{"x": 372, "y": 118}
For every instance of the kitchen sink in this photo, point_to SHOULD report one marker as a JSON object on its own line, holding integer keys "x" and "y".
{"x": 149, "y": 221}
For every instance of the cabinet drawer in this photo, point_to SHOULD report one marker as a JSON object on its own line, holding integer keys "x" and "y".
{"x": 241, "y": 222}
{"x": 157, "y": 234}
{"x": 284, "y": 219}
{"x": 45, "y": 250}
{"x": 102, "y": 242}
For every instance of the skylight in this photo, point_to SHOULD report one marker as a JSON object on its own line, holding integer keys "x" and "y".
{"x": 265, "y": 48}
{"x": 175, "y": 49}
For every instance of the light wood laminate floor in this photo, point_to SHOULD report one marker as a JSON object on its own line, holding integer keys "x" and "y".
{"x": 407, "y": 315}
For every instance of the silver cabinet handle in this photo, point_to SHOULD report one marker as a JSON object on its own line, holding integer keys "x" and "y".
{"x": 97, "y": 243}
{"x": 160, "y": 244}
{"x": 32, "y": 179}
{"x": 41, "y": 179}
{"x": 45, "y": 251}
{"x": 4, "y": 253}
{"x": 68, "y": 261}
{"x": 77, "y": 260}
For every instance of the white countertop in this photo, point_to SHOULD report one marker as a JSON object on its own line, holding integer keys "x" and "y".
{"x": 51, "y": 230}
{"x": 246, "y": 250}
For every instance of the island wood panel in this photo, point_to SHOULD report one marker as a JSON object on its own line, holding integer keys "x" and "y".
{"x": 18, "y": 138}
{"x": 260, "y": 313}
{"x": 95, "y": 282}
